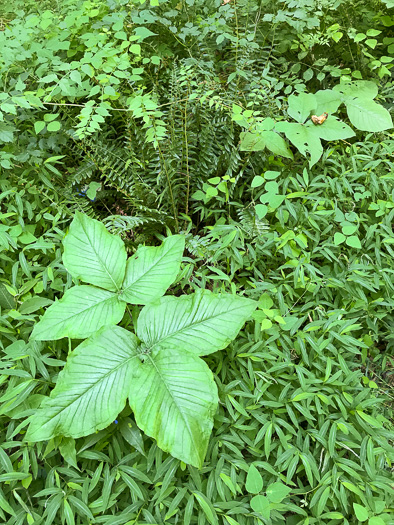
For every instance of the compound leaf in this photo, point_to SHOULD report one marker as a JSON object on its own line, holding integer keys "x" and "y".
{"x": 200, "y": 323}
{"x": 80, "y": 312}
{"x": 94, "y": 255}
{"x": 174, "y": 398}
{"x": 151, "y": 271}
{"x": 91, "y": 389}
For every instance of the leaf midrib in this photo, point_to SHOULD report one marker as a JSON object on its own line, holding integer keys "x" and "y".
{"x": 112, "y": 371}
{"x": 190, "y": 325}
{"x": 146, "y": 271}
{"x": 99, "y": 258}
{"x": 176, "y": 404}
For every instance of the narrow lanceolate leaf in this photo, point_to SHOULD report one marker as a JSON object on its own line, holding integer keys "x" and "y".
{"x": 80, "y": 312}
{"x": 91, "y": 389}
{"x": 94, "y": 255}
{"x": 151, "y": 271}
{"x": 200, "y": 323}
{"x": 174, "y": 398}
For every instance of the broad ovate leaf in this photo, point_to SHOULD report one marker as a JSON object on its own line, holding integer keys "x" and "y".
{"x": 304, "y": 137}
{"x": 93, "y": 255}
{"x": 301, "y": 106}
{"x": 359, "y": 89}
{"x": 333, "y": 129}
{"x": 367, "y": 115}
{"x": 257, "y": 141}
{"x": 200, "y": 323}
{"x": 251, "y": 141}
{"x": 174, "y": 399}
{"x": 327, "y": 101}
{"x": 152, "y": 270}
{"x": 91, "y": 389}
{"x": 81, "y": 311}
{"x": 276, "y": 144}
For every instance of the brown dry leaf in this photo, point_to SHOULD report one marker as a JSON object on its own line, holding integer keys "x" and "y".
{"x": 225, "y": 2}
{"x": 319, "y": 120}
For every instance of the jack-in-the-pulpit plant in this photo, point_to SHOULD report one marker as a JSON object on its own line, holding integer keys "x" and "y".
{"x": 159, "y": 369}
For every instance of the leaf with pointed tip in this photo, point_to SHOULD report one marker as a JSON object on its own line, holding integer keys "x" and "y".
{"x": 174, "y": 399}
{"x": 333, "y": 129}
{"x": 152, "y": 270}
{"x": 200, "y": 323}
{"x": 365, "y": 89}
{"x": 301, "y": 106}
{"x": 304, "y": 137}
{"x": 91, "y": 389}
{"x": 80, "y": 312}
{"x": 367, "y": 115}
{"x": 327, "y": 101}
{"x": 265, "y": 139}
{"x": 94, "y": 255}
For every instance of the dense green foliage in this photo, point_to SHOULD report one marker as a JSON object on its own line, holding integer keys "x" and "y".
{"x": 170, "y": 117}
{"x": 171, "y": 391}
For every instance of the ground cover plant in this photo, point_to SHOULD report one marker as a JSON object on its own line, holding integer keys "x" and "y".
{"x": 252, "y": 143}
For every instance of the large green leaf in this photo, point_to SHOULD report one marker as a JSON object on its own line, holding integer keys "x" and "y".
{"x": 174, "y": 399}
{"x": 93, "y": 255}
{"x": 91, "y": 389}
{"x": 301, "y": 106}
{"x": 265, "y": 139}
{"x": 304, "y": 137}
{"x": 333, "y": 129}
{"x": 80, "y": 312}
{"x": 151, "y": 271}
{"x": 359, "y": 89}
{"x": 327, "y": 101}
{"x": 367, "y": 115}
{"x": 276, "y": 144}
{"x": 200, "y": 323}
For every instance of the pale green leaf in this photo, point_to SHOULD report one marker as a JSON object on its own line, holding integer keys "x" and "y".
{"x": 339, "y": 238}
{"x": 276, "y": 144}
{"x": 353, "y": 241}
{"x": 305, "y": 138}
{"x": 261, "y": 505}
{"x": 93, "y": 255}
{"x": 251, "y": 142}
{"x": 207, "y": 508}
{"x": 201, "y": 323}
{"x": 152, "y": 270}
{"x": 39, "y": 125}
{"x": 54, "y": 126}
{"x": 261, "y": 210}
{"x": 174, "y": 397}
{"x": 80, "y": 312}
{"x": 276, "y": 492}
{"x": 92, "y": 388}
{"x": 327, "y": 101}
{"x": 376, "y": 520}
{"x": 333, "y": 129}
{"x": 265, "y": 139}
{"x": 254, "y": 481}
{"x": 369, "y": 419}
{"x": 367, "y": 115}
{"x": 301, "y": 106}
{"x": 360, "y": 511}
{"x": 358, "y": 89}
